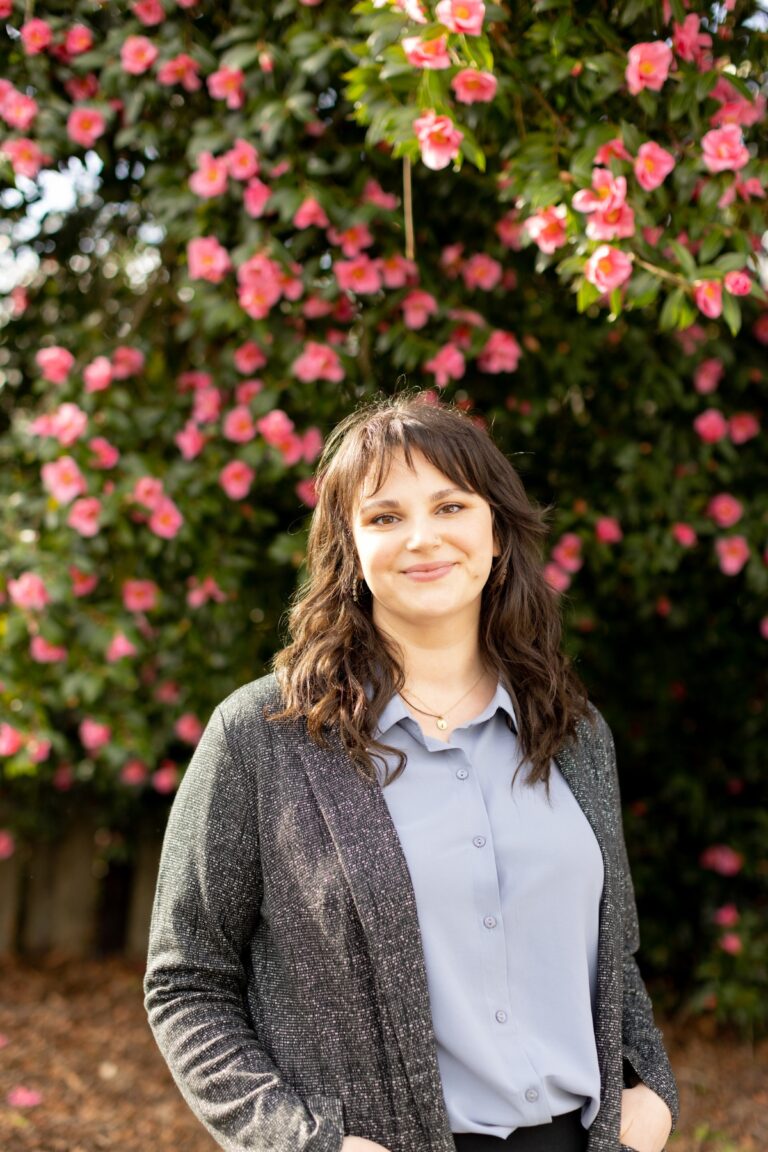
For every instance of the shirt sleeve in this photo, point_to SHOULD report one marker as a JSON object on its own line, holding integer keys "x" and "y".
{"x": 206, "y": 908}
{"x": 645, "y": 1057}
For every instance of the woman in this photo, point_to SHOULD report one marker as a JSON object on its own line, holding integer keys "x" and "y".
{"x": 394, "y": 911}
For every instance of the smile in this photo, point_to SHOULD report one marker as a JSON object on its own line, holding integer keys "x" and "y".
{"x": 424, "y": 574}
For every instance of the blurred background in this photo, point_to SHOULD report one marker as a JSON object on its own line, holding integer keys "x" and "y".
{"x": 222, "y": 229}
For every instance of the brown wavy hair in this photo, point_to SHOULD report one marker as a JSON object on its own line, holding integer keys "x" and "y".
{"x": 335, "y": 650}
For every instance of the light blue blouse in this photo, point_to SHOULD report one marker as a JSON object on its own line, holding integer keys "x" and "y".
{"x": 507, "y": 892}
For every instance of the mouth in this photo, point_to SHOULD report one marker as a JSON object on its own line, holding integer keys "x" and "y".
{"x": 429, "y": 571}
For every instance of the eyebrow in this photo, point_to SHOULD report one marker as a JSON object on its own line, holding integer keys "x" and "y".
{"x": 395, "y": 504}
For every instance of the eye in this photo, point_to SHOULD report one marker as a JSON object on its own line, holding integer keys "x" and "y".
{"x": 458, "y": 507}
{"x": 383, "y": 516}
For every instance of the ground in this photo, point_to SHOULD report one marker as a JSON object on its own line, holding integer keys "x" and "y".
{"x": 76, "y": 1034}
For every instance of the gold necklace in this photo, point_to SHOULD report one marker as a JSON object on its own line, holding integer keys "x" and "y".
{"x": 439, "y": 717}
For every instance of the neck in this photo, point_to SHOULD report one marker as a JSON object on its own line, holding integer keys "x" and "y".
{"x": 443, "y": 668}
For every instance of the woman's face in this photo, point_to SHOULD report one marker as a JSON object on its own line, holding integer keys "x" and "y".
{"x": 425, "y": 548}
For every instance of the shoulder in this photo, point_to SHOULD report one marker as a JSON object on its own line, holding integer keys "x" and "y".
{"x": 594, "y": 739}
{"x": 244, "y": 712}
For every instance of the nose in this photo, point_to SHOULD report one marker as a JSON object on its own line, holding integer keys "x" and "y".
{"x": 423, "y": 534}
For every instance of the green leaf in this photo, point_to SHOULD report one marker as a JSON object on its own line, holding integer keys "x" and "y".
{"x": 672, "y": 310}
{"x": 587, "y": 294}
{"x": 684, "y": 259}
{"x": 731, "y": 313}
{"x": 711, "y": 245}
{"x": 730, "y": 262}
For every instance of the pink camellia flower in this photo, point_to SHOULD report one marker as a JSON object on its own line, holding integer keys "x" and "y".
{"x": 612, "y": 150}
{"x": 318, "y": 362}
{"x": 373, "y": 193}
{"x": 248, "y": 358}
{"x": 688, "y": 42}
{"x": 708, "y": 297}
{"x": 245, "y": 391}
{"x": 7, "y": 849}
{"x": 462, "y": 16}
{"x": 447, "y": 364}
{"x": 166, "y": 778}
{"x": 11, "y": 740}
{"x": 510, "y": 231}
{"x": 106, "y": 455}
{"x": 731, "y": 943}
{"x": 725, "y": 510}
{"x": 68, "y": 423}
{"x": 93, "y": 734}
{"x": 738, "y": 283}
{"x": 312, "y": 444}
{"x": 29, "y": 591}
{"x": 168, "y": 692}
{"x": 236, "y": 478}
{"x": 711, "y": 426}
{"x": 470, "y": 86}
{"x": 648, "y": 66}
{"x": 418, "y": 306}
{"x": 140, "y": 595}
{"x": 256, "y": 196}
{"x": 126, "y": 361}
{"x": 242, "y": 160}
{"x": 724, "y": 150}
{"x": 82, "y": 87}
{"x": 39, "y": 749}
{"x": 259, "y": 286}
{"x": 25, "y": 155}
{"x": 608, "y": 268}
{"x": 84, "y": 516}
{"x": 652, "y": 165}
{"x": 207, "y": 405}
{"x": 547, "y": 228}
{"x": 708, "y": 375}
{"x": 85, "y": 126}
{"x": 276, "y": 427}
{"x": 481, "y": 271}
{"x": 63, "y": 479}
{"x": 36, "y": 36}
{"x": 21, "y": 1097}
{"x": 438, "y": 138}
{"x": 684, "y": 535}
{"x": 727, "y": 916}
{"x": 616, "y": 223}
{"x": 42, "y": 652}
{"x": 149, "y": 12}
{"x": 310, "y": 214}
{"x": 556, "y": 577}
{"x": 189, "y": 440}
{"x": 82, "y": 582}
{"x": 352, "y": 239}
{"x": 307, "y": 492}
{"x": 764, "y": 627}
{"x": 148, "y": 490}
{"x": 55, "y": 363}
{"x": 397, "y": 271}
{"x": 743, "y": 426}
{"x": 119, "y": 648}
{"x": 607, "y": 191}
{"x": 207, "y": 259}
{"x": 133, "y": 773}
{"x": 608, "y": 530}
{"x": 166, "y": 519}
{"x": 722, "y": 859}
{"x": 210, "y": 177}
{"x": 238, "y": 425}
{"x": 203, "y": 591}
{"x": 137, "y": 55}
{"x": 78, "y": 39}
{"x": 182, "y": 69}
{"x": 732, "y": 554}
{"x": 567, "y": 552}
{"x": 360, "y": 275}
{"x": 188, "y": 728}
{"x": 501, "y": 353}
{"x": 18, "y": 110}
{"x": 227, "y": 84}
{"x": 427, "y": 53}
{"x": 98, "y": 374}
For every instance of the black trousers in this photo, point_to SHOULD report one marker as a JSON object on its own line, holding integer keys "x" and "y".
{"x": 564, "y": 1134}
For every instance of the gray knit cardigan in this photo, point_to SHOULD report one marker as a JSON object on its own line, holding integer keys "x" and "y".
{"x": 285, "y": 983}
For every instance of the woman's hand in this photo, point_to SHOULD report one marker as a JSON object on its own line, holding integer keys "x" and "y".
{"x": 646, "y": 1121}
{"x": 360, "y": 1144}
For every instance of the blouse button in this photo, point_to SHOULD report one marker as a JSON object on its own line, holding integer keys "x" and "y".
{"x": 501, "y": 1016}
{"x": 462, "y": 774}
{"x": 490, "y": 921}
{"x": 478, "y": 841}
{"x": 531, "y": 1095}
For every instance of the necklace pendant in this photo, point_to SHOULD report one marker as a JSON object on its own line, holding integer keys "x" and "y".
{"x": 442, "y": 724}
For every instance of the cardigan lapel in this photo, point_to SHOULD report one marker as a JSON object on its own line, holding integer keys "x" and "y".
{"x": 376, "y": 871}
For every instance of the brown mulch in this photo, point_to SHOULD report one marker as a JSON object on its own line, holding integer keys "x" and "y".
{"x": 76, "y": 1033}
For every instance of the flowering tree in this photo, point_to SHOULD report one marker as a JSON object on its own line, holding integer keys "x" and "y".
{"x": 549, "y": 213}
